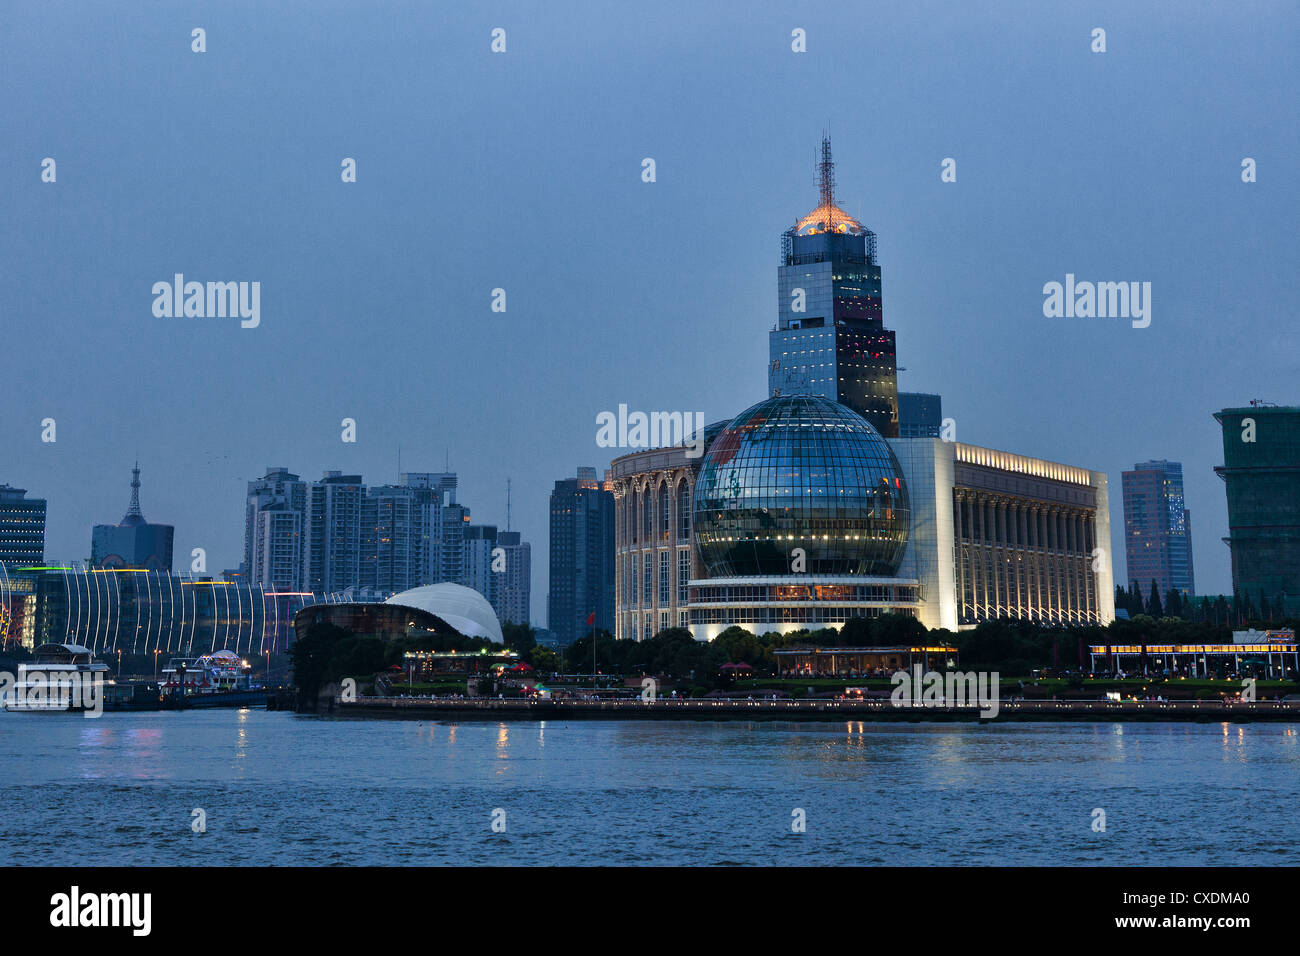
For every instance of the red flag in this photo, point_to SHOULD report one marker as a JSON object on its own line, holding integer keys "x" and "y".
{"x": 591, "y": 618}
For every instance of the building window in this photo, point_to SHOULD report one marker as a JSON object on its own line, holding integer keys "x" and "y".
{"x": 683, "y": 511}
{"x": 683, "y": 573}
{"x": 664, "y": 517}
{"x": 665, "y": 579}
{"x": 647, "y": 586}
{"x": 631, "y": 582}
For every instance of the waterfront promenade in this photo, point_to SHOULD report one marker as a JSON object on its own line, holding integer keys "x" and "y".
{"x": 1204, "y": 711}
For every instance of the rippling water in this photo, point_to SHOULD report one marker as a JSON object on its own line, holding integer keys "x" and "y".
{"x": 283, "y": 789}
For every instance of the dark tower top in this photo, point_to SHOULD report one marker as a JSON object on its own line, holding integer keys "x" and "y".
{"x": 133, "y": 515}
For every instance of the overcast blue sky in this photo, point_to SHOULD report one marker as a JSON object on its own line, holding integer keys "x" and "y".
{"x": 522, "y": 170}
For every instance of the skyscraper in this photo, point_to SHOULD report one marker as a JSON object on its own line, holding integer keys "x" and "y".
{"x": 434, "y": 492}
{"x": 895, "y": 515}
{"x": 22, "y": 527}
{"x": 332, "y": 526}
{"x": 515, "y": 584}
{"x": 830, "y": 338}
{"x": 395, "y": 538}
{"x": 337, "y": 533}
{"x": 1261, "y": 471}
{"x": 582, "y": 556}
{"x": 1158, "y": 528}
{"x": 476, "y": 570}
{"x": 273, "y": 530}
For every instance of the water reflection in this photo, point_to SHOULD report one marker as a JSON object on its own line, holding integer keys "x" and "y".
{"x": 241, "y": 735}
{"x": 659, "y": 792}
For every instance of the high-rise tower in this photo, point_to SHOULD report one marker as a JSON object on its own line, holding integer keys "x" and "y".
{"x": 22, "y": 527}
{"x": 830, "y": 338}
{"x": 1158, "y": 528}
{"x": 582, "y": 556}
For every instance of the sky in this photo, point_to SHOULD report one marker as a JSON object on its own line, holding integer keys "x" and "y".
{"x": 522, "y": 170}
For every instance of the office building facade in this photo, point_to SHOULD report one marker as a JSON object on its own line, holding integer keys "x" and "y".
{"x": 273, "y": 530}
{"x": 920, "y": 415}
{"x": 514, "y": 591}
{"x": 337, "y": 533}
{"x": 1158, "y": 529}
{"x": 480, "y": 543}
{"x": 581, "y": 556}
{"x": 332, "y": 522}
{"x": 22, "y": 528}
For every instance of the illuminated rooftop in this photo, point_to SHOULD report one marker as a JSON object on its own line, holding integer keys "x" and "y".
{"x": 828, "y": 217}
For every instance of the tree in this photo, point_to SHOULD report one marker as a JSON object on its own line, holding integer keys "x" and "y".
{"x": 1153, "y": 603}
{"x": 1221, "y": 610}
{"x": 543, "y": 659}
{"x": 609, "y": 652}
{"x": 519, "y": 637}
{"x": 312, "y": 654}
{"x": 1173, "y": 603}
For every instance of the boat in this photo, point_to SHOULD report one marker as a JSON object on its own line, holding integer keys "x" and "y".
{"x": 219, "y": 679}
{"x": 58, "y": 678}
{"x": 214, "y": 673}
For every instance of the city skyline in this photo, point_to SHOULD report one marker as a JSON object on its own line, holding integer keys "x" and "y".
{"x": 361, "y": 290}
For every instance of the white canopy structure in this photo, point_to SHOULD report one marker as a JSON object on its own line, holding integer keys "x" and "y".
{"x": 463, "y": 608}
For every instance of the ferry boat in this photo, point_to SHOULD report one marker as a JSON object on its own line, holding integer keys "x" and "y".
{"x": 46, "y": 682}
{"x": 219, "y": 679}
{"x": 216, "y": 673}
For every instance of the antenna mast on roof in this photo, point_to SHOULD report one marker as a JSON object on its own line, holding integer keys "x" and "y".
{"x": 134, "y": 509}
{"x": 826, "y": 182}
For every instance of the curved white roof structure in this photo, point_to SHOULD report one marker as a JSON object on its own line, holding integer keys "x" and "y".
{"x": 463, "y": 608}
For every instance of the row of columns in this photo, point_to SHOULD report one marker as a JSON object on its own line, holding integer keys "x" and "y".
{"x": 1023, "y": 559}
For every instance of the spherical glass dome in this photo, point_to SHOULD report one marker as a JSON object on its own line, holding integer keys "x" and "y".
{"x": 801, "y": 471}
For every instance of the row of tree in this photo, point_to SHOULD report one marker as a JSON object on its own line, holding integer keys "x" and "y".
{"x": 1240, "y": 611}
{"x": 1013, "y": 647}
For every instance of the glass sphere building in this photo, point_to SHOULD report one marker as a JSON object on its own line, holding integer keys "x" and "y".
{"x": 800, "y": 471}
{"x": 802, "y": 519}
